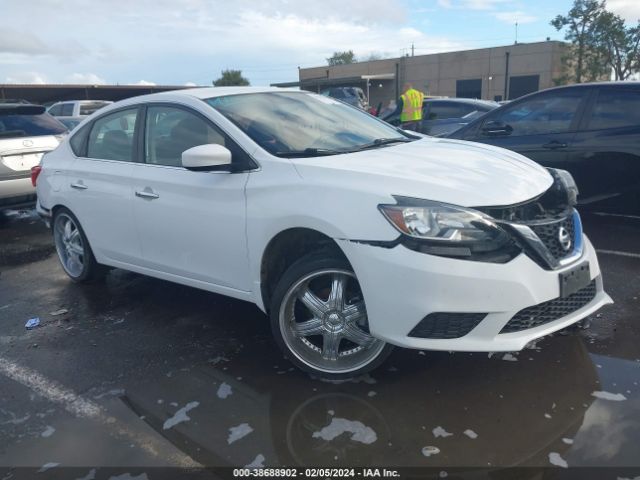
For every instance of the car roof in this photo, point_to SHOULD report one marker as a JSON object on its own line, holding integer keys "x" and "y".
{"x": 475, "y": 101}
{"x": 211, "y": 92}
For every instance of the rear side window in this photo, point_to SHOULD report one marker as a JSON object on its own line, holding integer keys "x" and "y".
{"x": 90, "y": 107}
{"x": 540, "y": 115}
{"x": 67, "y": 110}
{"x": 615, "y": 109}
{"x": 111, "y": 136}
{"x": 21, "y": 122}
{"x": 78, "y": 141}
{"x": 443, "y": 110}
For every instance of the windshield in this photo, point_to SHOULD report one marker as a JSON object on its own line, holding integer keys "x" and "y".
{"x": 284, "y": 123}
{"x": 17, "y": 125}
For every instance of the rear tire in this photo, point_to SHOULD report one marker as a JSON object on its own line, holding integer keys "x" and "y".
{"x": 319, "y": 319}
{"x": 74, "y": 251}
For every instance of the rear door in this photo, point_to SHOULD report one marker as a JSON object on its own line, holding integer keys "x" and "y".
{"x": 541, "y": 127}
{"x": 100, "y": 185}
{"x": 605, "y": 160}
{"x": 190, "y": 224}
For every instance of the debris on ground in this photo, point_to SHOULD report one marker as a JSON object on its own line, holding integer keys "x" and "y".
{"x": 441, "y": 432}
{"x": 430, "y": 450}
{"x": 557, "y": 460}
{"x": 180, "y": 416}
{"x": 32, "y": 323}
{"x": 359, "y": 431}
{"x": 61, "y": 311}
{"x": 238, "y": 432}
{"x": 614, "y": 397}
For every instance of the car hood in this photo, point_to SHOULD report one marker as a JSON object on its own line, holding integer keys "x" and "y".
{"x": 450, "y": 171}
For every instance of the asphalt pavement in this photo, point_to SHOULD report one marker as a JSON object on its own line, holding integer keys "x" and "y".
{"x": 139, "y": 374}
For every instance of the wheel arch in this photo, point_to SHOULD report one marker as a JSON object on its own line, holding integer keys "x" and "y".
{"x": 285, "y": 248}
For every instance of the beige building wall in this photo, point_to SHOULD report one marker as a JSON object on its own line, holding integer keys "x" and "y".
{"x": 437, "y": 74}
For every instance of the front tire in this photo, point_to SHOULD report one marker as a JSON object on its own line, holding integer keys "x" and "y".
{"x": 319, "y": 319}
{"x": 74, "y": 251}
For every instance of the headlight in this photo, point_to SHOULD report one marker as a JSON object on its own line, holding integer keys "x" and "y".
{"x": 569, "y": 184}
{"x": 447, "y": 230}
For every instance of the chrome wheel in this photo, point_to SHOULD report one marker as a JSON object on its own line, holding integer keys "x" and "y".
{"x": 323, "y": 321}
{"x": 69, "y": 245}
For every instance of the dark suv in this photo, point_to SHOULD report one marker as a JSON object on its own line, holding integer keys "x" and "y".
{"x": 591, "y": 130}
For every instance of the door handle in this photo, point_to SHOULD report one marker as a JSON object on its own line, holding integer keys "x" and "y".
{"x": 554, "y": 145}
{"x": 147, "y": 194}
{"x": 79, "y": 186}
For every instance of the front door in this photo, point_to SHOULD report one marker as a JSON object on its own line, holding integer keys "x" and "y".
{"x": 190, "y": 224}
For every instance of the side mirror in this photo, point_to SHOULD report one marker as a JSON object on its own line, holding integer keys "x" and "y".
{"x": 206, "y": 157}
{"x": 496, "y": 128}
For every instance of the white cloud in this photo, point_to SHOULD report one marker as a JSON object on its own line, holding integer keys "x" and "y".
{"x": 627, "y": 9}
{"x": 85, "y": 78}
{"x": 513, "y": 17}
{"x": 472, "y": 4}
{"x": 27, "y": 77}
{"x": 190, "y": 84}
{"x": 145, "y": 82}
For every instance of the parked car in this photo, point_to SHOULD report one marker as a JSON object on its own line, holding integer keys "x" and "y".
{"x": 26, "y": 133}
{"x": 352, "y": 235}
{"x": 352, "y": 95}
{"x": 441, "y": 116}
{"x": 77, "y": 108}
{"x": 592, "y": 130}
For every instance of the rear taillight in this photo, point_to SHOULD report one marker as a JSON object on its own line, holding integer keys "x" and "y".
{"x": 35, "y": 171}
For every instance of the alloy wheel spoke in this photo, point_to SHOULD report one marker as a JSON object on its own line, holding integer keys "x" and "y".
{"x": 354, "y": 313}
{"x": 308, "y": 327}
{"x": 330, "y": 345}
{"x": 336, "y": 297}
{"x": 67, "y": 230}
{"x": 357, "y": 336}
{"x": 310, "y": 300}
{"x": 76, "y": 249}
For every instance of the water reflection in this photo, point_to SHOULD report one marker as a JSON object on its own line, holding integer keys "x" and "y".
{"x": 477, "y": 411}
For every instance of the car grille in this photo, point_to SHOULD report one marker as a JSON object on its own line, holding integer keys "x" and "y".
{"x": 446, "y": 325}
{"x": 549, "y": 311}
{"x": 548, "y": 234}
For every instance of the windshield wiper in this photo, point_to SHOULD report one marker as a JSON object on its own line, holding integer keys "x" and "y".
{"x": 307, "y": 152}
{"x": 378, "y": 142}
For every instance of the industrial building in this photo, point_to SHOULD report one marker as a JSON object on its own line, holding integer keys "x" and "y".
{"x": 498, "y": 73}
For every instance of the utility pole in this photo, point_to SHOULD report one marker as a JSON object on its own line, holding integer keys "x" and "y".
{"x": 516, "y": 32}
{"x": 412, "y": 49}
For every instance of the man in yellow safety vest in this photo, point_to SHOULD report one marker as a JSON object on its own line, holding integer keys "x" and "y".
{"x": 411, "y": 105}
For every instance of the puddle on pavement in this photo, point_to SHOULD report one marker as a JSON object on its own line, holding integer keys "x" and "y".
{"x": 476, "y": 410}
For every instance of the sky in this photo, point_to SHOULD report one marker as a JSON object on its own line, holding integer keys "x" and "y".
{"x": 186, "y": 42}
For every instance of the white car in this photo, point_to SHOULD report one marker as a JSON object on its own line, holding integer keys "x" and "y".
{"x": 77, "y": 108}
{"x": 26, "y": 133}
{"x": 352, "y": 235}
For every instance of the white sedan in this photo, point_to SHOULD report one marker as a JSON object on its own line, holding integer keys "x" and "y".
{"x": 352, "y": 235}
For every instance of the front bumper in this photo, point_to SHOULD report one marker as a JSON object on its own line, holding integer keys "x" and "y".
{"x": 401, "y": 287}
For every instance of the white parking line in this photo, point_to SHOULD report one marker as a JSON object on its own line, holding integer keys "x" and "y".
{"x": 621, "y": 254}
{"x": 83, "y": 408}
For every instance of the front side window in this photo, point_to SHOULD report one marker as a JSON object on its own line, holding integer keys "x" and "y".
{"x": 541, "y": 115}
{"x": 286, "y": 123}
{"x": 56, "y": 110}
{"x": 111, "y": 137}
{"x": 615, "y": 109}
{"x": 170, "y": 131}
{"x": 444, "y": 110}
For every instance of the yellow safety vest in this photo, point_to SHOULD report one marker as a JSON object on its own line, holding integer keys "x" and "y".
{"x": 411, "y": 106}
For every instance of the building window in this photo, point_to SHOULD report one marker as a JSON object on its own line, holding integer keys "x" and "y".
{"x": 469, "y": 88}
{"x": 523, "y": 85}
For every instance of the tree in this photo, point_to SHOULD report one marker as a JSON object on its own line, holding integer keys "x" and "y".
{"x": 342, "y": 58}
{"x": 619, "y": 45}
{"x": 581, "y": 25}
{"x": 231, "y": 78}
